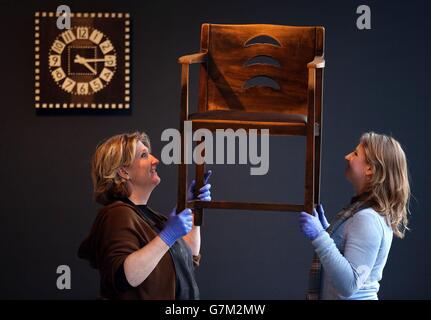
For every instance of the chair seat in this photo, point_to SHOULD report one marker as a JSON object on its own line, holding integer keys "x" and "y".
{"x": 248, "y": 116}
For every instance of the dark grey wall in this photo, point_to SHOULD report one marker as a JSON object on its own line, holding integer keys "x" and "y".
{"x": 375, "y": 80}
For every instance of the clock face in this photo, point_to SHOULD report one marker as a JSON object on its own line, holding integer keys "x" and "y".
{"x": 82, "y": 60}
{"x": 84, "y": 68}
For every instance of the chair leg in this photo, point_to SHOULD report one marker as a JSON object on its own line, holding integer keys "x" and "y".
{"x": 200, "y": 171}
{"x": 317, "y": 164}
{"x": 182, "y": 177}
{"x": 182, "y": 187}
{"x": 199, "y": 212}
{"x": 309, "y": 171}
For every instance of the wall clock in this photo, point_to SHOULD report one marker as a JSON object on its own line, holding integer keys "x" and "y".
{"x": 84, "y": 67}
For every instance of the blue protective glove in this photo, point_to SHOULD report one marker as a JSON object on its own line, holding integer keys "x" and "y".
{"x": 178, "y": 225}
{"x": 322, "y": 218}
{"x": 310, "y": 225}
{"x": 204, "y": 192}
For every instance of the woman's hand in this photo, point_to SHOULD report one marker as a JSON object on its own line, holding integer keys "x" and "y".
{"x": 310, "y": 225}
{"x": 204, "y": 192}
{"x": 177, "y": 226}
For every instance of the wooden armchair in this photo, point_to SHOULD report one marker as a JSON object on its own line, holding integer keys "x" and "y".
{"x": 230, "y": 57}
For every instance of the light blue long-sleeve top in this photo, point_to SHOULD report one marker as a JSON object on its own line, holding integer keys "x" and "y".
{"x": 353, "y": 256}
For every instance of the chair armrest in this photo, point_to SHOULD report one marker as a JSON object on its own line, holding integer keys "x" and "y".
{"x": 193, "y": 58}
{"x": 317, "y": 63}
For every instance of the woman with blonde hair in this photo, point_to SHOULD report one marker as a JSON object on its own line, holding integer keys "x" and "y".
{"x": 351, "y": 253}
{"x": 140, "y": 254}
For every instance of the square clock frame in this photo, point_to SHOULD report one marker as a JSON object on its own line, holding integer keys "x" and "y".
{"x": 84, "y": 67}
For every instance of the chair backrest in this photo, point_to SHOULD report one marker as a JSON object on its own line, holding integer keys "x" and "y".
{"x": 258, "y": 67}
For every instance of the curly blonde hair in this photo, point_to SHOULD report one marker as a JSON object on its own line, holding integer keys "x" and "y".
{"x": 389, "y": 185}
{"x": 110, "y": 155}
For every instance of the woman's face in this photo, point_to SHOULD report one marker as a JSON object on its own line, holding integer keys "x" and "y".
{"x": 358, "y": 171}
{"x": 142, "y": 171}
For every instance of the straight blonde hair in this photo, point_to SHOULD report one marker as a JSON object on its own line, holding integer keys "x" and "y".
{"x": 389, "y": 185}
{"x": 110, "y": 155}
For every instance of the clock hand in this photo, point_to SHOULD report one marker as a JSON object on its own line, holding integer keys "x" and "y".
{"x": 79, "y": 59}
{"x": 94, "y": 60}
{"x": 83, "y": 61}
{"x": 90, "y": 67}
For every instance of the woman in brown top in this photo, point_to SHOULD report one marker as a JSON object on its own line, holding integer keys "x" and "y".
{"x": 139, "y": 253}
